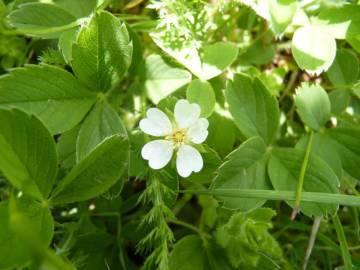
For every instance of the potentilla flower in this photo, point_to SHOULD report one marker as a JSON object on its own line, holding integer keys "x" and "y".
{"x": 178, "y": 137}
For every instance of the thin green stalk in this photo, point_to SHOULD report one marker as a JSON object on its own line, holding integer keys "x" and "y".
{"x": 316, "y": 197}
{"x": 190, "y": 227}
{"x": 343, "y": 244}
{"x": 302, "y": 176}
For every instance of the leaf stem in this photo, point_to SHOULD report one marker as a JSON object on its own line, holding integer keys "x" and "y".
{"x": 191, "y": 227}
{"x": 302, "y": 176}
{"x": 314, "y": 231}
{"x": 343, "y": 244}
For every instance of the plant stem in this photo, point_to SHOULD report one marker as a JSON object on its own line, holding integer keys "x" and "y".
{"x": 302, "y": 177}
{"x": 191, "y": 227}
{"x": 286, "y": 195}
{"x": 314, "y": 231}
{"x": 343, "y": 244}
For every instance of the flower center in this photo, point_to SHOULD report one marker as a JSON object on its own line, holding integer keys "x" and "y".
{"x": 178, "y": 136}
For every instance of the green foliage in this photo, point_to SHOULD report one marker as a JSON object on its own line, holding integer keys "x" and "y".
{"x": 277, "y": 84}
{"x": 254, "y": 110}
{"x": 28, "y": 153}
{"x": 51, "y": 93}
{"x": 96, "y": 173}
{"x": 313, "y": 105}
{"x": 245, "y": 237}
{"x": 102, "y": 52}
{"x": 244, "y": 168}
{"x": 284, "y": 170}
{"x": 162, "y": 79}
{"x": 203, "y": 94}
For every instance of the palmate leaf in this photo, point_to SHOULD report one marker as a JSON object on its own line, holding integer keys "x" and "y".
{"x": 28, "y": 155}
{"x": 52, "y": 94}
{"x": 102, "y": 53}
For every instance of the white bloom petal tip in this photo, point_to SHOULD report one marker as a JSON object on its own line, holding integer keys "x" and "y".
{"x": 186, "y": 113}
{"x": 188, "y": 160}
{"x": 156, "y": 124}
{"x": 158, "y": 153}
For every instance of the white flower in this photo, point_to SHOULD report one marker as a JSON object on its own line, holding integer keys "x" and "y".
{"x": 188, "y": 129}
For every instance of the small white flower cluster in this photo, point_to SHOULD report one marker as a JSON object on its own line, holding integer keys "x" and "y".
{"x": 178, "y": 137}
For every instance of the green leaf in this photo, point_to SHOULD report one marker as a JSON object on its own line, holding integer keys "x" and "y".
{"x": 211, "y": 64}
{"x": 281, "y": 14}
{"x": 202, "y": 93}
{"x": 221, "y": 134}
{"x": 14, "y": 253}
{"x": 255, "y": 111}
{"x": 96, "y": 173}
{"x": 284, "y": 169}
{"x": 345, "y": 68}
{"x": 66, "y": 41}
{"x": 244, "y": 168}
{"x": 41, "y": 19}
{"x": 102, "y": 53}
{"x": 313, "y": 49}
{"x": 28, "y": 155}
{"x": 162, "y": 79}
{"x": 52, "y": 94}
{"x": 79, "y": 9}
{"x": 190, "y": 253}
{"x": 66, "y": 148}
{"x": 324, "y": 147}
{"x": 313, "y": 105}
{"x": 102, "y": 122}
{"x": 341, "y": 22}
{"x": 348, "y": 147}
{"x": 339, "y": 99}
{"x": 245, "y": 237}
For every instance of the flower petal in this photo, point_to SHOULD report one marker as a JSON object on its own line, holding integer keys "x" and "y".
{"x": 156, "y": 124}
{"x": 188, "y": 160}
{"x": 185, "y": 113}
{"x": 198, "y": 131}
{"x": 158, "y": 153}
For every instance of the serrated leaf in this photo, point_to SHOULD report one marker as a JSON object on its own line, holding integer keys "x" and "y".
{"x": 102, "y": 53}
{"x": 79, "y": 9}
{"x": 313, "y": 105}
{"x": 202, "y": 93}
{"x": 341, "y": 22}
{"x": 345, "y": 68}
{"x": 314, "y": 50}
{"x": 28, "y": 155}
{"x": 348, "y": 147}
{"x": 284, "y": 169}
{"x": 254, "y": 110}
{"x": 162, "y": 79}
{"x": 52, "y": 94}
{"x": 66, "y": 41}
{"x": 40, "y": 19}
{"x": 96, "y": 173}
{"x": 13, "y": 252}
{"x": 244, "y": 168}
{"x": 245, "y": 237}
{"x": 339, "y": 100}
{"x": 102, "y": 122}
